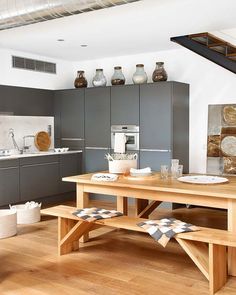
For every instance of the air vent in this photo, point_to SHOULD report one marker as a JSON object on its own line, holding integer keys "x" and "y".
{"x": 33, "y": 65}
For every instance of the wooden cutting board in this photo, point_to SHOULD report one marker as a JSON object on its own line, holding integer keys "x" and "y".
{"x": 42, "y": 141}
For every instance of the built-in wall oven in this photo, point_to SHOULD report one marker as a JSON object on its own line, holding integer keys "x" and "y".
{"x": 131, "y": 133}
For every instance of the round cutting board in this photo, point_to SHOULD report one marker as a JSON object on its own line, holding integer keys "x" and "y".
{"x": 42, "y": 141}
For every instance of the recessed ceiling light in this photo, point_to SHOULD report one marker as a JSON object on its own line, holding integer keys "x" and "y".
{"x": 83, "y": 45}
{"x": 60, "y": 40}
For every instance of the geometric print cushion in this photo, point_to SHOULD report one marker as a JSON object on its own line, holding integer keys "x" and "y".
{"x": 92, "y": 214}
{"x": 164, "y": 229}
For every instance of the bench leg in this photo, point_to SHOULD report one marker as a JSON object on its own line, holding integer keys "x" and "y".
{"x": 217, "y": 267}
{"x": 122, "y": 204}
{"x": 82, "y": 202}
{"x": 69, "y": 233}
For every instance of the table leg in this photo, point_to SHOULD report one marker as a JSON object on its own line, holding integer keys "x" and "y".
{"x": 232, "y": 228}
{"x": 122, "y": 204}
{"x": 82, "y": 199}
{"x": 140, "y": 205}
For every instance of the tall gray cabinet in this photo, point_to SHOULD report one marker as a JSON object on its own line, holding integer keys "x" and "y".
{"x": 97, "y": 128}
{"x": 164, "y": 124}
{"x": 69, "y": 118}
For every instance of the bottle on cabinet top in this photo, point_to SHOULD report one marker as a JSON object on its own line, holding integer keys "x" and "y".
{"x": 140, "y": 76}
{"x": 118, "y": 77}
{"x": 99, "y": 79}
{"x": 159, "y": 73}
{"x": 80, "y": 81}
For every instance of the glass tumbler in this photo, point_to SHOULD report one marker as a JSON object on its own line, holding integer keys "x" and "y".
{"x": 164, "y": 171}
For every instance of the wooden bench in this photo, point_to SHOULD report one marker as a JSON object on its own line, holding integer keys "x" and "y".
{"x": 207, "y": 247}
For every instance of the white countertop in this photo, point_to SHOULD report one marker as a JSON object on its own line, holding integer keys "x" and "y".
{"x": 37, "y": 154}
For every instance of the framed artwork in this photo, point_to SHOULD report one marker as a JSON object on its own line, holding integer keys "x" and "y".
{"x": 221, "y": 139}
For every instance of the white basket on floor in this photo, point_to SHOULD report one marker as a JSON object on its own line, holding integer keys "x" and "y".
{"x": 7, "y": 223}
{"x": 27, "y": 215}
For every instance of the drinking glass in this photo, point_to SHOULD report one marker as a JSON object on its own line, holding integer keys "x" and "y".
{"x": 164, "y": 171}
{"x": 174, "y": 168}
{"x": 180, "y": 171}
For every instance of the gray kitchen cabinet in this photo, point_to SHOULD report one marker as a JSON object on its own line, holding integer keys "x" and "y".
{"x": 39, "y": 179}
{"x": 154, "y": 159}
{"x": 97, "y": 117}
{"x": 125, "y": 105}
{"x": 164, "y": 123}
{"x": 95, "y": 160}
{"x": 9, "y": 182}
{"x": 70, "y": 164}
{"x": 69, "y": 118}
{"x": 23, "y": 101}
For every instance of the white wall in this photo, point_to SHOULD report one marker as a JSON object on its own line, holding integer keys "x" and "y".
{"x": 209, "y": 84}
{"x": 16, "y": 77}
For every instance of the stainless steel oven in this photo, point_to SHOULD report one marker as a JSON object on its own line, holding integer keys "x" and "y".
{"x": 132, "y": 136}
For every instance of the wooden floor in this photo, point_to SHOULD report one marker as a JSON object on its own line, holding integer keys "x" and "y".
{"x": 113, "y": 262}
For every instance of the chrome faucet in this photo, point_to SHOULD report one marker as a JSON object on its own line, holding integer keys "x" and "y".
{"x": 11, "y": 133}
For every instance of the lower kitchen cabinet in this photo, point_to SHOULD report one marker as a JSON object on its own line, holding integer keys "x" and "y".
{"x": 39, "y": 180}
{"x": 70, "y": 164}
{"x": 9, "y": 182}
{"x": 154, "y": 159}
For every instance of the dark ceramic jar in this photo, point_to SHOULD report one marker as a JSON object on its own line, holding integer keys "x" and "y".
{"x": 159, "y": 73}
{"x": 80, "y": 81}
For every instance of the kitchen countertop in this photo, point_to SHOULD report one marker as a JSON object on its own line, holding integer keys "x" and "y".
{"x": 37, "y": 154}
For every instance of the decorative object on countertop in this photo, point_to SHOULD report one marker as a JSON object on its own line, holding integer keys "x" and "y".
{"x": 93, "y": 214}
{"x": 221, "y": 140}
{"x": 122, "y": 163}
{"x": 159, "y": 73}
{"x": 27, "y": 213}
{"x": 61, "y": 150}
{"x": 8, "y": 226}
{"x": 203, "y": 179}
{"x": 164, "y": 229}
{"x": 140, "y": 76}
{"x": 104, "y": 177}
{"x": 118, "y": 77}
{"x": 99, "y": 79}
{"x": 42, "y": 141}
{"x": 80, "y": 81}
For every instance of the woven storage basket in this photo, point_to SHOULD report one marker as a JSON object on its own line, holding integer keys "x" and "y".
{"x": 7, "y": 223}
{"x": 27, "y": 215}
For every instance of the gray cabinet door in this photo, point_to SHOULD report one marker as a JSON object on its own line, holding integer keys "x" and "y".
{"x": 97, "y": 117}
{"x": 24, "y": 101}
{"x": 125, "y": 105}
{"x": 70, "y": 165}
{"x": 154, "y": 159}
{"x": 39, "y": 180}
{"x": 9, "y": 185}
{"x": 156, "y": 116}
{"x": 95, "y": 160}
{"x": 72, "y": 113}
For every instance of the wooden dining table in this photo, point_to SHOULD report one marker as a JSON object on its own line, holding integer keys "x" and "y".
{"x": 150, "y": 191}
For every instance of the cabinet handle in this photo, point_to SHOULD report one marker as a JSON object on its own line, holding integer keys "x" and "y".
{"x": 72, "y": 138}
{"x": 155, "y": 150}
{"x": 96, "y": 148}
{"x": 5, "y": 168}
{"x": 40, "y": 164}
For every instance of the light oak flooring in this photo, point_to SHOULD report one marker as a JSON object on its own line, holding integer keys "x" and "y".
{"x": 113, "y": 262}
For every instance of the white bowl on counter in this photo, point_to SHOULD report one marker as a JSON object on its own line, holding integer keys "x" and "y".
{"x": 61, "y": 150}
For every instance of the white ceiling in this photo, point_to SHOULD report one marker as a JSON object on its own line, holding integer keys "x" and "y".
{"x": 144, "y": 26}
